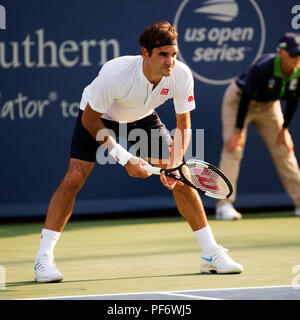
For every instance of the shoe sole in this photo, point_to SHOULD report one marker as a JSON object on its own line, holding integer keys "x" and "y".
{"x": 57, "y": 279}
{"x": 213, "y": 270}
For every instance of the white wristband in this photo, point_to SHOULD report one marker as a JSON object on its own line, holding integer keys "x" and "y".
{"x": 120, "y": 154}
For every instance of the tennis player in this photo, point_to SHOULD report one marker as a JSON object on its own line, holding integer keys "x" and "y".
{"x": 126, "y": 92}
{"x": 254, "y": 97}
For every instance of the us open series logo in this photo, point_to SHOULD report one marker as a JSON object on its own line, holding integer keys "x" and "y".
{"x": 219, "y": 38}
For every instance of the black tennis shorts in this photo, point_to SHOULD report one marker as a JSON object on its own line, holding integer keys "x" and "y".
{"x": 145, "y": 138}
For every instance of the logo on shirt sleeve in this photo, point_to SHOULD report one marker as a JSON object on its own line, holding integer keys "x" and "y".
{"x": 164, "y": 91}
{"x": 190, "y": 98}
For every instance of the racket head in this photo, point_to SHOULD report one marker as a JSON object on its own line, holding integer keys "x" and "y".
{"x": 206, "y": 178}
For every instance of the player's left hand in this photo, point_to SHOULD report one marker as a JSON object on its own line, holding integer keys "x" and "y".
{"x": 285, "y": 138}
{"x": 169, "y": 182}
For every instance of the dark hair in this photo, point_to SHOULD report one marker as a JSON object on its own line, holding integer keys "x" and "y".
{"x": 158, "y": 35}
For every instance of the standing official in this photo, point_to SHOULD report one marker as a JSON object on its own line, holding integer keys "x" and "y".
{"x": 254, "y": 97}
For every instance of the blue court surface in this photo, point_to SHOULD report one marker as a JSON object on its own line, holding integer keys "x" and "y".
{"x": 247, "y": 293}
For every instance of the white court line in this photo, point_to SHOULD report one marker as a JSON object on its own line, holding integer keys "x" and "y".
{"x": 189, "y": 296}
{"x": 244, "y": 288}
{"x": 159, "y": 292}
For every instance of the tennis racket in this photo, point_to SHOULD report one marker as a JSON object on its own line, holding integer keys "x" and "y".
{"x": 199, "y": 175}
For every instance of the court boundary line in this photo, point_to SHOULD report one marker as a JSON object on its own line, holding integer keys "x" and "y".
{"x": 189, "y": 296}
{"x": 161, "y": 292}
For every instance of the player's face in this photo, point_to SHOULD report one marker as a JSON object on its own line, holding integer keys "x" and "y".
{"x": 162, "y": 60}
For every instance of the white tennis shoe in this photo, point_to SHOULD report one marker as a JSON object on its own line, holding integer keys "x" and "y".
{"x": 219, "y": 262}
{"x": 45, "y": 269}
{"x": 227, "y": 212}
{"x": 297, "y": 211}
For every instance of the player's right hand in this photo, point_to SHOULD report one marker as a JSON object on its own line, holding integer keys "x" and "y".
{"x": 134, "y": 168}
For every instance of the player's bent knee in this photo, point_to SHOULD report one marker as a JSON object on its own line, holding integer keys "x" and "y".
{"x": 76, "y": 176}
{"x": 74, "y": 181}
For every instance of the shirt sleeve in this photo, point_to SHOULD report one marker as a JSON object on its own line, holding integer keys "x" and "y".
{"x": 242, "y": 110}
{"x": 253, "y": 80}
{"x": 101, "y": 93}
{"x": 184, "y": 100}
{"x": 290, "y": 109}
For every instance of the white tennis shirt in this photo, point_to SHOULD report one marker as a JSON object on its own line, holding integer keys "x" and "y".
{"x": 122, "y": 92}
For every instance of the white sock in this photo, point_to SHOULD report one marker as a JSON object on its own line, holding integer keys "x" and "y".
{"x": 206, "y": 239}
{"x": 48, "y": 242}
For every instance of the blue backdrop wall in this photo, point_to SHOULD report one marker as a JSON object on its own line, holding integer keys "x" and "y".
{"x": 50, "y": 50}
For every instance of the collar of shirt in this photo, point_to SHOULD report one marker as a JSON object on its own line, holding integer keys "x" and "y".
{"x": 277, "y": 72}
{"x": 141, "y": 73}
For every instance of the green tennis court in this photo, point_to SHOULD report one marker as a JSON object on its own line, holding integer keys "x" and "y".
{"x": 116, "y": 256}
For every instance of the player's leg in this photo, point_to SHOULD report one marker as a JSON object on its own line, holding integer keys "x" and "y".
{"x": 268, "y": 126}
{"x": 62, "y": 201}
{"x": 214, "y": 257}
{"x": 190, "y": 206}
{"x": 83, "y": 155}
{"x": 59, "y": 211}
{"x": 230, "y": 162}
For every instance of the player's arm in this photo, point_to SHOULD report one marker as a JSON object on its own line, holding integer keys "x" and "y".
{"x": 181, "y": 139}
{"x": 184, "y": 103}
{"x": 179, "y": 146}
{"x": 92, "y": 122}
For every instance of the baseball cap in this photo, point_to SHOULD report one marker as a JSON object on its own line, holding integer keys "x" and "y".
{"x": 291, "y": 43}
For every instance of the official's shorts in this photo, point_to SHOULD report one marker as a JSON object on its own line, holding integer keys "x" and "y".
{"x": 145, "y": 138}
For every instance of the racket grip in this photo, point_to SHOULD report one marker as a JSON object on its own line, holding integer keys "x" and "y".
{"x": 153, "y": 170}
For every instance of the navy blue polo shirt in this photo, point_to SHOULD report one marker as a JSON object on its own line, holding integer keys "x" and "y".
{"x": 264, "y": 81}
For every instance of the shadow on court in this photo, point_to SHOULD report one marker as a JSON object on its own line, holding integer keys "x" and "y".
{"x": 31, "y": 283}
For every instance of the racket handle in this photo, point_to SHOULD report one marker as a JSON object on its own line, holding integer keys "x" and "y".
{"x": 153, "y": 170}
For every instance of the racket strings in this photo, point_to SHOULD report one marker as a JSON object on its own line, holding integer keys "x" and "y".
{"x": 205, "y": 179}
